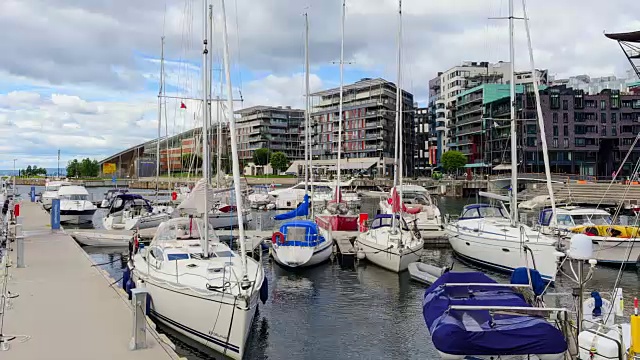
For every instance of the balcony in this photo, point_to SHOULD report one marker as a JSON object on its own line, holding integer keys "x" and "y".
{"x": 469, "y": 131}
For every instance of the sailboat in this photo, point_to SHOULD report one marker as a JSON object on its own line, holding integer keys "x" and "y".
{"x": 199, "y": 286}
{"x": 483, "y": 234}
{"x": 389, "y": 243}
{"x": 299, "y": 243}
{"x": 337, "y": 217}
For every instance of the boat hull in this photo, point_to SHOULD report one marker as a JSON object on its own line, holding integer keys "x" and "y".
{"x": 613, "y": 251}
{"x": 226, "y": 220}
{"x": 76, "y": 216}
{"x": 219, "y": 322}
{"x": 101, "y": 239}
{"x": 320, "y": 254}
{"x": 390, "y": 259}
{"x": 501, "y": 252}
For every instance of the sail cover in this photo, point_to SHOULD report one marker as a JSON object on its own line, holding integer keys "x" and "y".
{"x": 476, "y": 332}
{"x": 301, "y": 210}
{"x": 194, "y": 202}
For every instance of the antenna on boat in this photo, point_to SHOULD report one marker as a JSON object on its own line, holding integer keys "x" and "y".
{"x": 234, "y": 144}
{"x": 205, "y": 125}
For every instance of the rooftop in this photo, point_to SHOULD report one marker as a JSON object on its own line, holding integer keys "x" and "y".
{"x": 257, "y": 108}
{"x": 633, "y": 36}
{"x": 362, "y": 84}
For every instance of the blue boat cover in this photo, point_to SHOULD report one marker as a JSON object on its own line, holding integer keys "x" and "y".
{"x": 311, "y": 238}
{"x": 521, "y": 276}
{"x": 476, "y": 332}
{"x": 301, "y": 210}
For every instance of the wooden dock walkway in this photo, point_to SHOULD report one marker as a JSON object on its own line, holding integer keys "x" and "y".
{"x": 66, "y": 308}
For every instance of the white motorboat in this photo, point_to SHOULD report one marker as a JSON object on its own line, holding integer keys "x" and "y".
{"x": 102, "y": 239}
{"x": 483, "y": 234}
{"x": 186, "y": 287}
{"x": 567, "y": 217}
{"x": 388, "y": 246}
{"x": 132, "y": 211}
{"x": 75, "y": 207}
{"x": 226, "y": 217}
{"x": 323, "y": 191}
{"x": 427, "y": 219}
{"x": 51, "y": 192}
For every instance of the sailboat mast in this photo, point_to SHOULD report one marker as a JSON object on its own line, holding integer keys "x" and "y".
{"x": 543, "y": 135}
{"x": 306, "y": 109}
{"x": 234, "y": 141}
{"x": 344, "y": 8}
{"x": 398, "y": 117}
{"x": 205, "y": 125}
{"x": 160, "y": 118}
{"x": 514, "y": 143}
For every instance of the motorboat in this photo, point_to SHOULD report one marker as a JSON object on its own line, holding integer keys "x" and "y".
{"x": 390, "y": 244}
{"x": 132, "y": 211}
{"x": 51, "y": 192}
{"x": 321, "y": 192}
{"x": 567, "y": 217}
{"x": 109, "y": 195}
{"x": 299, "y": 243}
{"x": 612, "y": 244}
{"x": 226, "y": 217}
{"x": 483, "y": 234}
{"x": 260, "y": 198}
{"x": 427, "y": 216}
{"x": 75, "y": 207}
{"x": 211, "y": 299}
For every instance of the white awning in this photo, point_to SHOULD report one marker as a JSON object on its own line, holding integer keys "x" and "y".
{"x": 502, "y": 167}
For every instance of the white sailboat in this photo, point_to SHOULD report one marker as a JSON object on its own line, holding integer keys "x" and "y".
{"x": 299, "y": 242}
{"x": 426, "y": 215}
{"x": 389, "y": 243}
{"x": 484, "y": 234}
{"x": 198, "y": 285}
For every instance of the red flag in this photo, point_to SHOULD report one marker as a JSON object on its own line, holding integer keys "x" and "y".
{"x": 182, "y": 105}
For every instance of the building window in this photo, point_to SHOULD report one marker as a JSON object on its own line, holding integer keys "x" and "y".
{"x": 565, "y": 143}
{"x": 580, "y": 142}
{"x": 578, "y": 102}
{"x": 627, "y": 141}
{"x": 531, "y": 141}
{"x": 555, "y": 130}
{"x": 614, "y": 131}
{"x": 555, "y": 101}
{"x": 615, "y": 100}
{"x": 555, "y": 118}
{"x": 603, "y": 104}
{"x": 579, "y": 130}
{"x": 565, "y": 104}
{"x": 565, "y": 130}
{"x": 614, "y": 118}
{"x": 603, "y": 131}
{"x": 565, "y": 118}
{"x": 531, "y": 129}
{"x": 603, "y": 118}
{"x": 555, "y": 142}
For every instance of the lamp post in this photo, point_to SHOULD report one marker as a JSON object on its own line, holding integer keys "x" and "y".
{"x": 14, "y": 176}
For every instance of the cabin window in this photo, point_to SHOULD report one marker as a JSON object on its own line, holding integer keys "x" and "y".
{"x": 564, "y": 220}
{"x": 173, "y": 257}
{"x": 224, "y": 254}
{"x": 490, "y": 212}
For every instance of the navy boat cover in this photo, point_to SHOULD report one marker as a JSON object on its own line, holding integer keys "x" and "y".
{"x": 476, "y": 332}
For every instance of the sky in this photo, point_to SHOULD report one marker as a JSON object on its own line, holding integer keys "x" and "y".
{"x": 83, "y": 76}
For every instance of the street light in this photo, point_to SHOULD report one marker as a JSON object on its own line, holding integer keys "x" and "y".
{"x": 14, "y": 176}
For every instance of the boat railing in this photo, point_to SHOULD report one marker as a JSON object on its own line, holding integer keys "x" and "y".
{"x": 487, "y": 285}
{"x": 521, "y": 310}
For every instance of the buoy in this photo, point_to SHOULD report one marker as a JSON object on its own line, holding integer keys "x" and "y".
{"x": 174, "y": 196}
{"x": 360, "y": 255}
{"x": 16, "y": 209}
{"x": 278, "y": 238}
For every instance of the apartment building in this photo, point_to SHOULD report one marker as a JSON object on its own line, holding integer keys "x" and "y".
{"x": 369, "y": 107}
{"x": 276, "y": 128}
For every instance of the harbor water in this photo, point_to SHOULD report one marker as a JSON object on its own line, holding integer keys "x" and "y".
{"x": 328, "y": 312}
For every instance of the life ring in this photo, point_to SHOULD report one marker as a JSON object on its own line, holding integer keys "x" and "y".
{"x": 278, "y": 238}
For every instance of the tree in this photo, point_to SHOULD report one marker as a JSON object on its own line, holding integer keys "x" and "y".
{"x": 453, "y": 160}
{"x": 279, "y": 161}
{"x": 28, "y": 171}
{"x": 261, "y": 156}
{"x": 89, "y": 168}
{"x": 73, "y": 168}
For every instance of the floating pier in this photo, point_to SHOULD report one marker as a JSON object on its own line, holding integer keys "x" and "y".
{"x": 346, "y": 252}
{"x": 64, "y": 307}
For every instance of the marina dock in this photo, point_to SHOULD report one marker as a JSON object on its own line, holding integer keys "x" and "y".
{"x": 66, "y": 307}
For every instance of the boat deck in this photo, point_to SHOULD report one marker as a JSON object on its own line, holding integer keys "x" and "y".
{"x": 66, "y": 307}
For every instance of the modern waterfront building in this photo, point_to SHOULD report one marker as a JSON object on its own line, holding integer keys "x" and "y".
{"x": 587, "y": 134}
{"x": 369, "y": 108}
{"x": 275, "y": 128}
{"x": 595, "y": 85}
{"x": 445, "y": 88}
